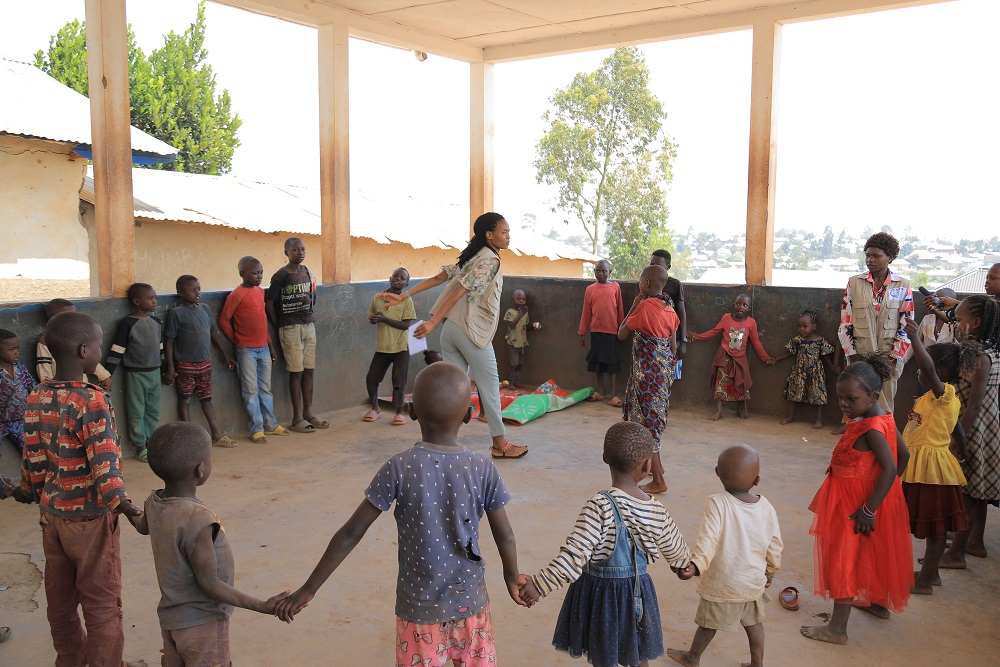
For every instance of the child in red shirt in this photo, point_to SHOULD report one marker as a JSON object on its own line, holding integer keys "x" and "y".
{"x": 647, "y": 394}
{"x": 603, "y": 313}
{"x": 243, "y": 321}
{"x": 730, "y": 378}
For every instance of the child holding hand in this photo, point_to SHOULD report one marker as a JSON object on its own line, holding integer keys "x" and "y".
{"x": 807, "y": 381}
{"x": 441, "y": 490}
{"x": 392, "y": 347}
{"x": 610, "y": 612}
{"x": 647, "y": 394}
{"x": 730, "y": 379}
{"x": 517, "y": 320}
{"x": 863, "y": 553}
{"x": 603, "y": 312}
{"x": 191, "y": 553}
{"x": 933, "y": 481}
{"x": 15, "y": 385}
{"x": 737, "y": 555}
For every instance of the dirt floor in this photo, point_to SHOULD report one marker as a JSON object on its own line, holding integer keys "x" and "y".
{"x": 282, "y": 501}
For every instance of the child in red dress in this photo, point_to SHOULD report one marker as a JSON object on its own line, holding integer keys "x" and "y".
{"x": 855, "y": 564}
{"x": 730, "y": 379}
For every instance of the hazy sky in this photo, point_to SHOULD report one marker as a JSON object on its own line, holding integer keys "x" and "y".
{"x": 885, "y": 118}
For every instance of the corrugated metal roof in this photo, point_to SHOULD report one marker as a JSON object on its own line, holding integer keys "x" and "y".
{"x": 230, "y": 201}
{"x": 973, "y": 282}
{"x": 34, "y": 105}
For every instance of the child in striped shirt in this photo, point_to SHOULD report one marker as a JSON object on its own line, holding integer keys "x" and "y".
{"x": 610, "y": 611}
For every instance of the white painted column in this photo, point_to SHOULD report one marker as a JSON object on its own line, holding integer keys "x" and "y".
{"x": 107, "y": 62}
{"x": 335, "y": 152}
{"x": 481, "y": 141}
{"x": 763, "y": 152}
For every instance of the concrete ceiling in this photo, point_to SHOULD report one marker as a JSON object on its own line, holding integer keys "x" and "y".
{"x": 498, "y": 30}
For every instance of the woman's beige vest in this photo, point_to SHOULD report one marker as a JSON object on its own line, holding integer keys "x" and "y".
{"x": 876, "y": 331}
{"x": 477, "y": 320}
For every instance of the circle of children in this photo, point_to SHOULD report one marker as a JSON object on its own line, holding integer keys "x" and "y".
{"x": 877, "y": 490}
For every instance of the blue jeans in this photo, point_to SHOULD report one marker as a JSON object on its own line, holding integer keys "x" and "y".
{"x": 254, "y": 365}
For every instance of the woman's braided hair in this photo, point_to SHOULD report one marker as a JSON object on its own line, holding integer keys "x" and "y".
{"x": 960, "y": 359}
{"x": 988, "y": 311}
{"x": 872, "y": 371}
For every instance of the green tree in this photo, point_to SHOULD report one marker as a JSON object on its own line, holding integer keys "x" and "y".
{"x": 172, "y": 93}
{"x": 608, "y": 155}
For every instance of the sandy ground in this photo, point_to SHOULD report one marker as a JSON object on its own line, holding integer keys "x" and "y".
{"x": 282, "y": 501}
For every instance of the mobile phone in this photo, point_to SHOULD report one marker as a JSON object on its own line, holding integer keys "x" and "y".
{"x": 923, "y": 290}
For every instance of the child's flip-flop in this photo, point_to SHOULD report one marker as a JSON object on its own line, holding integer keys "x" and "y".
{"x": 141, "y": 454}
{"x": 370, "y": 416}
{"x": 616, "y": 402}
{"x": 398, "y": 420}
{"x": 789, "y": 598}
{"x": 259, "y": 438}
{"x": 303, "y": 427}
{"x": 226, "y": 441}
{"x": 319, "y": 423}
{"x": 278, "y": 430}
{"x": 4, "y": 634}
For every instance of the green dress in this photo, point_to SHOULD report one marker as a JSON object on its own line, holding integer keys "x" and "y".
{"x": 807, "y": 381}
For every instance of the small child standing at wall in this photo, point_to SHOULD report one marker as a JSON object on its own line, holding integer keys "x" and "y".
{"x": 807, "y": 381}
{"x": 730, "y": 380}
{"x": 138, "y": 347}
{"x": 517, "y": 320}
{"x": 603, "y": 313}
{"x": 45, "y": 364}
{"x": 244, "y": 322}
{"x": 190, "y": 333}
{"x": 15, "y": 385}
{"x": 391, "y": 347}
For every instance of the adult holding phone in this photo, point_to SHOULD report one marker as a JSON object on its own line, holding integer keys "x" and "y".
{"x": 876, "y": 306}
{"x": 469, "y": 308}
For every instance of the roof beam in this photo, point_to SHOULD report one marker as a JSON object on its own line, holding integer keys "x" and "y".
{"x": 810, "y": 10}
{"x": 370, "y": 29}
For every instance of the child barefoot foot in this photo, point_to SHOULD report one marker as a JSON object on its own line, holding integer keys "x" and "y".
{"x": 818, "y": 424}
{"x": 823, "y": 633}
{"x": 742, "y": 411}
{"x": 717, "y": 415}
{"x": 653, "y": 487}
{"x": 876, "y": 610}
{"x": 979, "y": 551}
{"x": 786, "y": 420}
{"x": 949, "y": 562}
{"x": 682, "y": 657}
{"x": 840, "y": 429}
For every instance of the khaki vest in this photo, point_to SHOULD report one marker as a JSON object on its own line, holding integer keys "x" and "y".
{"x": 477, "y": 320}
{"x": 873, "y": 332}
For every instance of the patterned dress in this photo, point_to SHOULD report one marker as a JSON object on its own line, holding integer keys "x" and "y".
{"x": 982, "y": 458}
{"x": 807, "y": 381}
{"x": 14, "y": 392}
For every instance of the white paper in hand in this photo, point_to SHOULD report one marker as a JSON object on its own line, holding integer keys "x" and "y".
{"x": 416, "y": 345}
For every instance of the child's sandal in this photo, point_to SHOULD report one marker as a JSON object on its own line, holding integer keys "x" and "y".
{"x": 141, "y": 454}
{"x": 259, "y": 438}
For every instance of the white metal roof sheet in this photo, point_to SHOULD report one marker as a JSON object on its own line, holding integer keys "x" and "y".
{"x": 33, "y": 104}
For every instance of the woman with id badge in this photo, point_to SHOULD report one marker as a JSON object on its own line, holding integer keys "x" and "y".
{"x": 877, "y": 304}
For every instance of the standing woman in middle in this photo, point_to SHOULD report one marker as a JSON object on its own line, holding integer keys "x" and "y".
{"x": 470, "y": 310}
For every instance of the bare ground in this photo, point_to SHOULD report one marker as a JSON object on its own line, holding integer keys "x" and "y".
{"x": 282, "y": 501}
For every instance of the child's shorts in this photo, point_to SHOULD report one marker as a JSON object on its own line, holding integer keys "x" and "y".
{"x": 194, "y": 377}
{"x": 730, "y": 615}
{"x": 205, "y": 644}
{"x": 517, "y": 355}
{"x": 298, "y": 342}
{"x": 467, "y": 641}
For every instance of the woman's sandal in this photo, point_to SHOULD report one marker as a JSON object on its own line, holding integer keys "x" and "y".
{"x": 789, "y": 598}
{"x": 398, "y": 420}
{"x": 503, "y": 451}
{"x": 259, "y": 438}
{"x": 141, "y": 454}
{"x": 370, "y": 416}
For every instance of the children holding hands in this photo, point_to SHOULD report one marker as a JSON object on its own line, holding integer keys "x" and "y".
{"x": 647, "y": 394}
{"x": 441, "y": 491}
{"x": 807, "y": 380}
{"x": 610, "y": 612}
{"x": 392, "y": 348}
{"x": 190, "y": 333}
{"x": 730, "y": 379}
{"x": 737, "y": 555}
{"x": 603, "y": 312}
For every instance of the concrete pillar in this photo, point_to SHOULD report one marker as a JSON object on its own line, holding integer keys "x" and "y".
{"x": 335, "y": 152}
{"x": 481, "y": 141}
{"x": 107, "y": 60}
{"x": 763, "y": 152}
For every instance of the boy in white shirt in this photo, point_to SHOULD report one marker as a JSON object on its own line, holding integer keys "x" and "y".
{"x": 737, "y": 555}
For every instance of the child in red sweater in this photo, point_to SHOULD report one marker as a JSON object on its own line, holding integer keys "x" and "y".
{"x": 603, "y": 313}
{"x": 730, "y": 379}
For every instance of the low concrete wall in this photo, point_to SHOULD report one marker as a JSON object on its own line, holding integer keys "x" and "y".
{"x": 347, "y": 341}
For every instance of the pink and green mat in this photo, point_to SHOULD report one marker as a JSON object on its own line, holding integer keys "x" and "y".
{"x": 520, "y": 406}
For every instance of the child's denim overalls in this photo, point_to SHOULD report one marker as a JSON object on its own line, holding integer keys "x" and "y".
{"x": 628, "y": 560}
